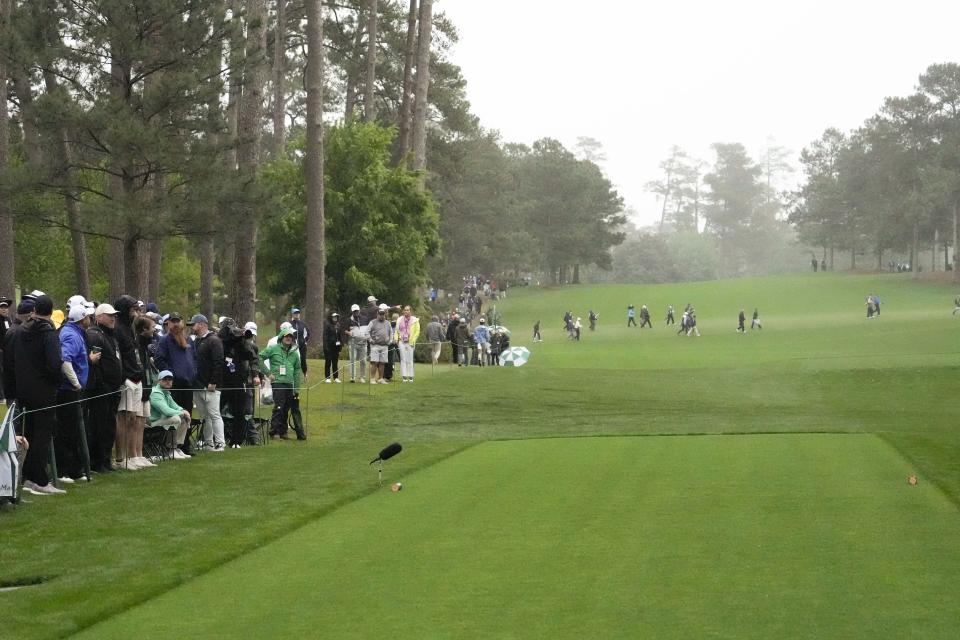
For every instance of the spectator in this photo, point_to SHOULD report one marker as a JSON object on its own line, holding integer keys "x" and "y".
{"x": 103, "y": 386}
{"x": 130, "y": 412}
{"x": 645, "y": 317}
{"x": 283, "y": 325}
{"x": 5, "y": 303}
{"x": 380, "y": 334}
{"x": 631, "y": 315}
{"x": 281, "y": 362}
{"x": 175, "y": 354}
{"x": 536, "y": 332}
{"x": 741, "y": 319}
{"x": 577, "y": 326}
{"x": 756, "y": 320}
{"x": 481, "y": 336}
{"x": 145, "y": 329}
{"x": 32, "y": 377}
{"x": 452, "y": 336}
{"x": 331, "y": 348}
{"x": 76, "y": 372}
{"x": 236, "y": 362}
{"x": 407, "y": 332}
{"x": 463, "y": 342}
{"x": 593, "y": 320}
{"x": 208, "y": 354}
{"x": 357, "y": 333}
{"x": 435, "y": 337}
{"x": 670, "y": 318}
{"x": 369, "y": 313}
{"x": 253, "y": 381}
{"x": 166, "y": 413}
{"x": 303, "y": 337}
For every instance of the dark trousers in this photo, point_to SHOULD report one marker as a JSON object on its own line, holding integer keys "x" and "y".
{"x": 631, "y": 321}
{"x": 101, "y": 430}
{"x": 456, "y": 351}
{"x": 66, "y": 435}
{"x": 233, "y": 408}
{"x": 331, "y": 364}
{"x": 670, "y": 319}
{"x": 182, "y": 394}
{"x": 645, "y": 322}
{"x": 285, "y": 405}
{"x": 38, "y": 429}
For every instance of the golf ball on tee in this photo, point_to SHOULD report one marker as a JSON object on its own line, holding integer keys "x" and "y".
{"x": 397, "y": 486}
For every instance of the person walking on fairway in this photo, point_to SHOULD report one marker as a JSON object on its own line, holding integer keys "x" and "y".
{"x": 693, "y": 330}
{"x": 645, "y": 317}
{"x": 740, "y": 321}
{"x": 876, "y": 304}
{"x": 536, "y": 332}
{"x": 670, "y": 318}
{"x": 756, "y": 320}
{"x": 593, "y": 320}
{"x": 576, "y": 330}
{"x": 631, "y": 315}
{"x": 956, "y": 305}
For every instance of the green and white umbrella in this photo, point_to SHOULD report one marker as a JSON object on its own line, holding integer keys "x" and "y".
{"x": 500, "y": 329}
{"x": 514, "y": 357}
{"x": 9, "y": 462}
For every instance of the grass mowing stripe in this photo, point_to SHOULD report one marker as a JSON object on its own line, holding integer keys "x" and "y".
{"x": 753, "y": 536}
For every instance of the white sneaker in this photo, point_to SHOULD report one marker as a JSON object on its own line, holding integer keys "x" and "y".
{"x": 336, "y": 380}
{"x": 129, "y": 464}
{"x": 362, "y": 381}
{"x": 220, "y": 448}
{"x": 180, "y": 455}
{"x": 66, "y": 480}
{"x": 49, "y": 489}
{"x": 382, "y": 381}
{"x": 327, "y": 381}
{"x": 32, "y": 487}
{"x": 143, "y": 462}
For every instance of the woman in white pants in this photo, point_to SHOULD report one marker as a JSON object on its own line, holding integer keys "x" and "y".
{"x": 406, "y": 334}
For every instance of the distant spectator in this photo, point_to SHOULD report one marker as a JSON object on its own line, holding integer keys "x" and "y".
{"x": 741, "y": 319}
{"x": 670, "y": 318}
{"x": 405, "y": 336}
{"x": 175, "y": 353}
{"x": 435, "y": 337}
{"x": 332, "y": 344}
{"x": 380, "y": 337}
{"x": 166, "y": 413}
{"x": 358, "y": 337}
{"x": 76, "y": 372}
{"x": 452, "y": 336}
{"x": 645, "y": 317}
{"x": 577, "y": 327}
{"x": 238, "y": 357}
{"x": 281, "y": 363}
{"x": 631, "y": 316}
{"x": 103, "y": 386}
{"x": 208, "y": 354}
{"x": 130, "y": 418}
{"x": 463, "y": 342}
{"x": 481, "y": 336}
{"x": 32, "y": 375}
{"x": 303, "y": 337}
{"x": 755, "y": 322}
{"x": 536, "y": 332}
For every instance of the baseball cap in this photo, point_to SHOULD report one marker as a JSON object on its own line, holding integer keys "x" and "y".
{"x": 251, "y": 327}
{"x": 382, "y": 307}
{"x": 5, "y": 301}
{"x": 285, "y": 325}
{"x": 174, "y": 315}
{"x": 33, "y": 295}
{"x": 76, "y": 300}
{"x": 77, "y": 313}
{"x": 106, "y": 309}
{"x": 152, "y": 307}
{"x": 287, "y": 331}
{"x": 354, "y": 307}
{"x": 371, "y": 298}
{"x": 44, "y": 305}
{"x": 25, "y": 307}
{"x": 334, "y": 315}
{"x": 163, "y": 375}
{"x": 483, "y": 321}
{"x": 295, "y": 310}
{"x": 198, "y": 317}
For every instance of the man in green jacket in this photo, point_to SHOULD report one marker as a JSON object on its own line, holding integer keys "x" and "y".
{"x": 166, "y": 413}
{"x": 281, "y": 362}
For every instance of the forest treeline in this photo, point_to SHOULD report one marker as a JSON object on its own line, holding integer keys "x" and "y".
{"x": 175, "y": 150}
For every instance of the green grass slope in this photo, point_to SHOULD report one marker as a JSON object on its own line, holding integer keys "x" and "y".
{"x": 817, "y": 366}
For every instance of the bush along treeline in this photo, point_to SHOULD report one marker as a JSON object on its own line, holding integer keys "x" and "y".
{"x": 235, "y": 156}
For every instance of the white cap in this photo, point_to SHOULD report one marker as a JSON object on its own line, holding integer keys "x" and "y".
{"x": 371, "y": 298}
{"x": 354, "y": 307}
{"x": 77, "y": 313}
{"x": 106, "y": 309}
{"x": 285, "y": 325}
{"x": 251, "y": 327}
{"x": 76, "y": 300}
{"x": 383, "y": 307}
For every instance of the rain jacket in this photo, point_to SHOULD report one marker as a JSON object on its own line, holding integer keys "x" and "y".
{"x": 106, "y": 375}
{"x": 277, "y": 356}
{"x": 481, "y": 334}
{"x": 36, "y": 363}
{"x": 414, "y": 330}
{"x": 130, "y": 361}
{"x": 162, "y": 404}
{"x": 73, "y": 349}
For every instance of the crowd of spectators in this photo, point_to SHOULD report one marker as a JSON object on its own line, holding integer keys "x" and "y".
{"x": 91, "y": 378}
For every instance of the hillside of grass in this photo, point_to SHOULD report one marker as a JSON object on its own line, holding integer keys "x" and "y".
{"x": 817, "y": 366}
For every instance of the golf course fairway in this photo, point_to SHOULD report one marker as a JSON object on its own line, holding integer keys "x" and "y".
{"x": 720, "y": 536}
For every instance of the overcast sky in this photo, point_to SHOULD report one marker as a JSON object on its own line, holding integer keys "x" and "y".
{"x": 640, "y": 77}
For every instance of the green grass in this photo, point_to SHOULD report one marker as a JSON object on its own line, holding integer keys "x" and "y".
{"x": 817, "y": 366}
{"x": 726, "y": 536}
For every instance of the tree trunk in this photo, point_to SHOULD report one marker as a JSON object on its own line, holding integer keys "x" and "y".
{"x": 853, "y": 258}
{"x": 915, "y": 250}
{"x": 406, "y": 102}
{"x": 31, "y": 137}
{"x": 421, "y": 103}
{"x": 316, "y": 248}
{"x": 369, "y": 104}
{"x": 248, "y": 160}
{"x": 352, "y": 68}
{"x": 956, "y": 254}
{"x": 156, "y": 268}
{"x": 235, "y": 90}
{"x": 831, "y": 257}
{"x": 7, "y": 263}
{"x": 206, "y": 275}
{"x": 576, "y": 274}
{"x": 879, "y": 258}
{"x": 279, "y": 72}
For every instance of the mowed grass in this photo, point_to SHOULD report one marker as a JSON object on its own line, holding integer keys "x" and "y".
{"x": 751, "y": 536}
{"x": 817, "y": 366}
